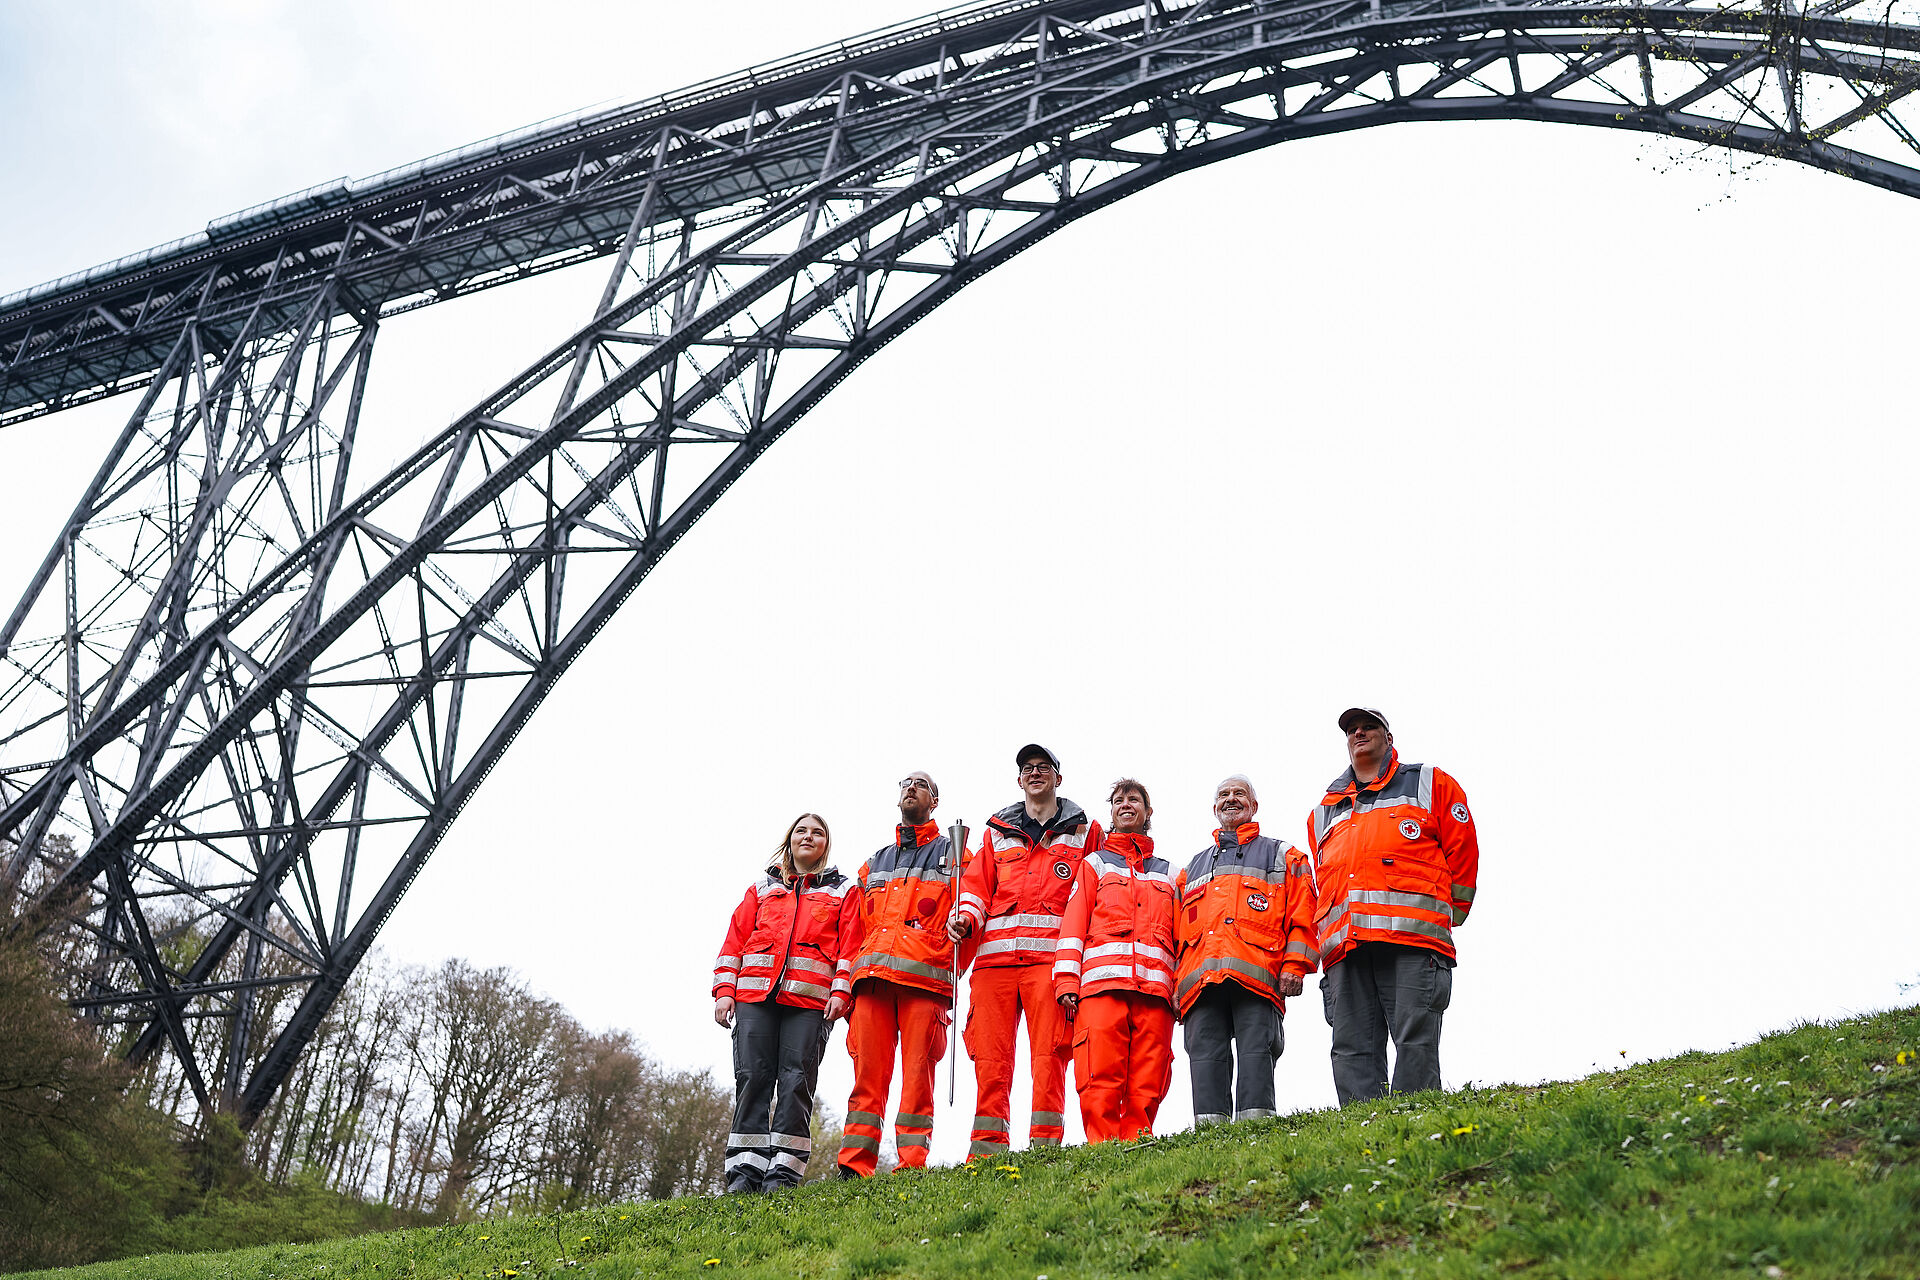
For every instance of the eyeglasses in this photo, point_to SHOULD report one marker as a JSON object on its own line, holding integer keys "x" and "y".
{"x": 1035, "y": 766}
{"x": 908, "y": 784}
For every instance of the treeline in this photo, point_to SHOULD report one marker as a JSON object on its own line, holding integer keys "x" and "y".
{"x": 457, "y": 1092}
{"x": 427, "y": 1095}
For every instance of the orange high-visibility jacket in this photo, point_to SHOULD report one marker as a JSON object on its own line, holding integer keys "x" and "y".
{"x": 1014, "y": 888}
{"x": 1398, "y": 859}
{"x": 793, "y": 944}
{"x": 906, "y": 897}
{"x": 1116, "y": 933}
{"x": 1246, "y": 916}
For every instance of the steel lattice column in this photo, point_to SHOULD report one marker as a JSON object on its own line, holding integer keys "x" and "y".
{"x": 299, "y": 695}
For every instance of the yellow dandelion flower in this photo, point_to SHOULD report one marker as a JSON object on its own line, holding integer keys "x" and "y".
{"x": 1902, "y": 1058}
{"x": 486, "y": 1237}
{"x": 1014, "y": 1176}
{"x": 711, "y": 1262}
{"x": 1366, "y": 1151}
{"x": 509, "y": 1272}
{"x": 1466, "y": 1128}
{"x": 584, "y": 1239}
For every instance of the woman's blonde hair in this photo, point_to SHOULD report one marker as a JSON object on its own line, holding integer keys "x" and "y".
{"x": 785, "y": 856}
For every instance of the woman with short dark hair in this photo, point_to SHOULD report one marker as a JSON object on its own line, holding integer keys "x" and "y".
{"x": 782, "y": 977}
{"x": 1113, "y": 974}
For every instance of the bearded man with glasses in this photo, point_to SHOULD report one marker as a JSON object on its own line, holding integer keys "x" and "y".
{"x": 1012, "y": 896}
{"x": 903, "y": 980}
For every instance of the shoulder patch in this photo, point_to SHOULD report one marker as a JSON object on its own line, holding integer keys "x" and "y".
{"x": 1459, "y": 812}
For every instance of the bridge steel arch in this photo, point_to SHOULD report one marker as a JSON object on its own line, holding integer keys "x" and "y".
{"x": 240, "y": 704}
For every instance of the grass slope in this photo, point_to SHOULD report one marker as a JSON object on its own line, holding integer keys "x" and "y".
{"x": 1796, "y": 1156}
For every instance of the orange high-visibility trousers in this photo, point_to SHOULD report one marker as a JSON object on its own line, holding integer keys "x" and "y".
{"x": 1122, "y": 1062}
{"x": 885, "y": 1014}
{"x": 999, "y": 995}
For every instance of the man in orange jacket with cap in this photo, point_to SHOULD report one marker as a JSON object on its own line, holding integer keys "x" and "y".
{"x": 902, "y": 983}
{"x": 1245, "y": 929}
{"x": 1398, "y": 863}
{"x": 1011, "y": 896}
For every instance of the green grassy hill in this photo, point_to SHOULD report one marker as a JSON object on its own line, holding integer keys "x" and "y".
{"x": 1797, "y": 1156}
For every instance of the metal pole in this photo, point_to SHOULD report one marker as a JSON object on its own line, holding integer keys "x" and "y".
{"x": 957, "y": 848}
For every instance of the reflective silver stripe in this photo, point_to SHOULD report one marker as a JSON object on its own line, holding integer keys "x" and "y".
{"x": 1426, "y": 787}
{"x": 859, "y": 1142}
{"x": 1396, "y": 898}
{"x": 842, "y": 986}
{"x": 973, "y": 900}
{"x": 1108, "y": 949}
{"x": 1305, "y": 951}
{"x": 881, "y": 960}
{"x": 748, "y": 1139}
{"x": 917, "y": 1122}
{"x": 812, "y": 990}
{"x": 785, "y": 1161}
{"x": 1209, "y": 1117}
{"x": 1106, "y": 971}
{"x": 1044, "y": 1142}
{"x": 1255, "y": 1113}
{"x": 1000, "y": 946}
{"x": 727, "y": 962}
{"x": 753, "y": 984}
{"x": 1024, "y": 922}
{"x": 1002, "y": 841}
{"x": 1404, "y": 924}
{"x": 990, "y": 1124}
{"x": 1151, "y": 952}
{"x": 1160, "y": 976}
{"x": 1156, "y": 877}
{"x": 1227, "y": 964}
{"x": 979, "y": 1148}
{"x": 1463, "y": 893}
{"x": 866, "y": 1117}
{"x": 912, "y": 1140}
{"x": 793, "y": 1142}
{"x": 747, "y": 1160}
{"x": 908, "y": 872}
{"x": 1333, "y": 941}
{"x": 1072, "y": 944}
{"x": 759, "y": 960}
{"x": 1459, "y": 916}
{"x": 810, "y": 965}
{"x": 1066, "y": 967}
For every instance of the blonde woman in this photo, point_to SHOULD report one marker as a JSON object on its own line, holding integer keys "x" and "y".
{"x": 783, "y": 976}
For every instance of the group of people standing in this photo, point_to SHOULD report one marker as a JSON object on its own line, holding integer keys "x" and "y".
{"x": 1100, "y": 946}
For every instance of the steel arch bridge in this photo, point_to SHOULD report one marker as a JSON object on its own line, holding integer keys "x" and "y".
{"x": 243, "y": 696}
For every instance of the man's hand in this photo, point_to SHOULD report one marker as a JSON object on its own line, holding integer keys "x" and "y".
{"x": 723, "y": 1011}
{"x": 959, "y": 926}
{"x": 836, "y": 1006}
{"x": 1069, "y": 1004}
{"x": 1292, "y": 984}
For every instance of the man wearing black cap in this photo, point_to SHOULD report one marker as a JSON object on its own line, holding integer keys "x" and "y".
{"x": 1011, "y": 895}
{"x": 1398, "y": 860}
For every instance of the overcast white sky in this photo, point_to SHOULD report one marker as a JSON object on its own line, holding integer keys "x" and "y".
{"x": 1589, "y": 463}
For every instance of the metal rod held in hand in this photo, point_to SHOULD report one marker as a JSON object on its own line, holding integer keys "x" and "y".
{"x": 957, "y": 850}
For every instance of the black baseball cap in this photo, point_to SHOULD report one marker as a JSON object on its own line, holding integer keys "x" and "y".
{"x": 1033, "y": 749}
{"x": 1353, "y": 714}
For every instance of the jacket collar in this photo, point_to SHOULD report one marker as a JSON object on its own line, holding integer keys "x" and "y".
{"x": 1245, "y": 833}
{"x": 1068, "y": 817}
{"x": 825, "y": 877}
{"x": 919, "y": 833}
{"x": 1344, "y": 785}
{"x": 1135, "y": 847}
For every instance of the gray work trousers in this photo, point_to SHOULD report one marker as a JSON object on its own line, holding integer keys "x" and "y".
{"x": 776, "y": 1065}
{"x": 1225, "y": 1022}
{"x": 1380, "y": 990}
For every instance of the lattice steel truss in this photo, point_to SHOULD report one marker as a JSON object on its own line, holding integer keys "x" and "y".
{"x": 241, "y": 701}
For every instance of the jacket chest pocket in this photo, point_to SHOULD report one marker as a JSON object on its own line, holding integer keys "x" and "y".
{"x": 1258, "y": 916}
{"x": 1113, "y": 910}
{"x": 818, "y": 925}
{"x": 1158, "y": 910}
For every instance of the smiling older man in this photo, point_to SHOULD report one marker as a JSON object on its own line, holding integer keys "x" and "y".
{"x": 1398, "y": 863}
{"x": 1244, "y": 926}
